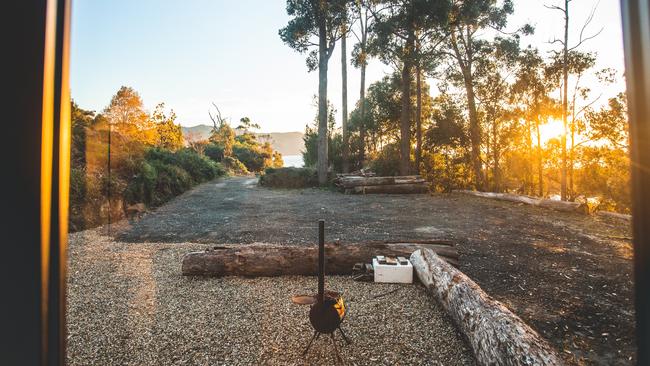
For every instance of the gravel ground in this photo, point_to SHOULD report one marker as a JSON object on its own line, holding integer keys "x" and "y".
{"x": 129, "y": 305}
{"x": 567, "y": 275}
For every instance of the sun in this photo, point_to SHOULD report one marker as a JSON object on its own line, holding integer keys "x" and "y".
{"x": 554, "y": 128}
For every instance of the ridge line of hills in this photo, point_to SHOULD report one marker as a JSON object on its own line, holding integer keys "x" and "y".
{"x": 287, "y": 143}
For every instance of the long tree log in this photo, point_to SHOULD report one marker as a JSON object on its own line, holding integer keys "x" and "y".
{"x": 273, "y": 260}
{"x": 564, "y": 206}
{"x": 495, "y": 334}
{"x": 356, "y": 181}
{"x": 392, "y": 188}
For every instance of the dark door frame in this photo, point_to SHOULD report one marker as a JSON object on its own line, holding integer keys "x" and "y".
{"x": 636, "y": 34}
{"x": 36, "y": 148}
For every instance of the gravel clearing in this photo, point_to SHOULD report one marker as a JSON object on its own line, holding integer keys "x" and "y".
{"x": 129, "y": 305}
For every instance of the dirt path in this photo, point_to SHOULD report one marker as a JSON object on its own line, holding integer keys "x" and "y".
{"x": 568, "y": 275}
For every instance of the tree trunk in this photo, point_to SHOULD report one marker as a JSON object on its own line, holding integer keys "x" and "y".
{"x": 540, "y": 176}
{"x": 322, "y": 165}
{"x": 530, "y": 184}
{"x": 496, "y": 335}
{"x": 344, "y": 103}
{"x": 474, "y": 134}
{"x": 539, "y": 202}
{"x": 495, "y": 157}
{"x": 362, "y": 98}
{"x": 276, "y": 260}
{"x": 418, "y": 118}
{"x": 405, "y": 116}
{"x": 565, "y": 102}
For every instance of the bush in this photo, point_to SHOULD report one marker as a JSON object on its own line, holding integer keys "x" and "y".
{"x": 253, "y": 158}
{"x": 142, "y": 187}
{"x": 214, "y": 152}
{"x": 289, "y": 178}
{"x": 386, "y": 163}
{"x": 199, "y": 168}
{"x": 172, "y": 181}
{"x": 234, "y": 166}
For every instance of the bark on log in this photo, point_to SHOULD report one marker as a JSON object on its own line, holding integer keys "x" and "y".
{"x": 495, "y": 334}
{"x": 392, "y": 188}
{"x": 564, "y": 206}
{"x": 273, "y": 260}
{"x": 357, "y": 181}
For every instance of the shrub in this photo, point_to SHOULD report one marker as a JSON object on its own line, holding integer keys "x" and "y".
{"x": 253, "y": 158}
{"x": 234, "y": 166}
{"x": 172, "y": 181}
{"x": 386, "y": 163}
{"x": 214, "y": 152}
{"x": 289, "y": 177}
{"x": 143, "y": 185}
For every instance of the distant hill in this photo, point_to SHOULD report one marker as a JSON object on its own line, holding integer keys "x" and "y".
{"x": 287, "y": 143}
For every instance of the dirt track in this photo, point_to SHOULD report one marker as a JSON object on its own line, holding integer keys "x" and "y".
{"x": 568, "y": 275}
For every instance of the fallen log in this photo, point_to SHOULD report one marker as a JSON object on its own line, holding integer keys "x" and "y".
{"x": 392, "y": 188}
{"x": 615, "y": 215}
{"x": 495, "y": 334}
{"x": 272, "y": 260}
{"x": 564, "y": 206}
{"x": 357, "y": 181}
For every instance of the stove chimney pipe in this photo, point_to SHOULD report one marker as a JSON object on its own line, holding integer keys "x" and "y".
{"x": 321, "y": 260}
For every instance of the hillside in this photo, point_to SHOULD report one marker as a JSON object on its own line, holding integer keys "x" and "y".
{"x": 287, "y": 143}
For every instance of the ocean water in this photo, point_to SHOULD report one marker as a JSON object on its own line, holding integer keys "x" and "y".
{"x": 293, "y": 161}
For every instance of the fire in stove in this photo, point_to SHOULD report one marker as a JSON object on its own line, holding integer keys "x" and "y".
{"x": 327, "y": 307}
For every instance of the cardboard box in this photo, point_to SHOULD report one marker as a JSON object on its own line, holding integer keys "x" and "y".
{"x": 393, "y": 273}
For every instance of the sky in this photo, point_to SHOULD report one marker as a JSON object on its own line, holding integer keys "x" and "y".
{"x": 189, "y": 54}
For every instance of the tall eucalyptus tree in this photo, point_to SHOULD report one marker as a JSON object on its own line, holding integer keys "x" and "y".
{"x": 316, "y": 24}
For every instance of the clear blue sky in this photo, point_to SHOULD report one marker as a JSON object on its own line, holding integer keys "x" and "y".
{"x": 191, "y": 53}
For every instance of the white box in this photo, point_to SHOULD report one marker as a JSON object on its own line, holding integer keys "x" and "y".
{"x": 388, "y": 273}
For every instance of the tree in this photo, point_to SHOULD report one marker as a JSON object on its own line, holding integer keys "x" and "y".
{"x": 321, "y": 20}
{"x": 564, "y": 55}
{"x": 222, "y": 134}
{"x": 466, "y": 19}
{"x": 360, "y": 60}
{"x": 393, "y": 40}
{"x": 610, "y": 123}
{"x": 531, "y": 93}
{"x": 126, "y": 114}
{"x": 170, "y": 135}
{"x": 344, "y": 95}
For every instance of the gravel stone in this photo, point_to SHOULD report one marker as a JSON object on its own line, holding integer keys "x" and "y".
{"x": 128, "y": 304}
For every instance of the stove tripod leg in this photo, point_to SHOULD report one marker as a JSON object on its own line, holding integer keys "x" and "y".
{"x": 315, "y": 336}
{"x": 346, "y": 339}
{"x": 336, "y": 350}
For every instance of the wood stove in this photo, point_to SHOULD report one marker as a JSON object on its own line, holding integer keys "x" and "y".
{"x": 327, "y": 307}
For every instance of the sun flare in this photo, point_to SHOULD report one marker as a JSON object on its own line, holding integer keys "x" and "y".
{"x": 553, "y": 129}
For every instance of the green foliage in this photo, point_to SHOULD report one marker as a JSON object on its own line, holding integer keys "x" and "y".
{"x": 289, "y": 178}
{"x": 140, "y": 173}
{"x": 234, "y": 166}
{"x": 214, "y": 152}
{"x": 302, "y": 31}
{"x": 169, "y": 135}
{"x": 334, "y": 144}
{"x": 254, "y": 159}
{"x": 224, "y": 135}
{"x": 387, "y": 161}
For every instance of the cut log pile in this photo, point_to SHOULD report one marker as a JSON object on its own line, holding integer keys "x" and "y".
{"x": 359, "y": 184}
{"x": 534, "y": 201}
{"x": 280, "y": 260}
{"x": 495, "y": 334}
